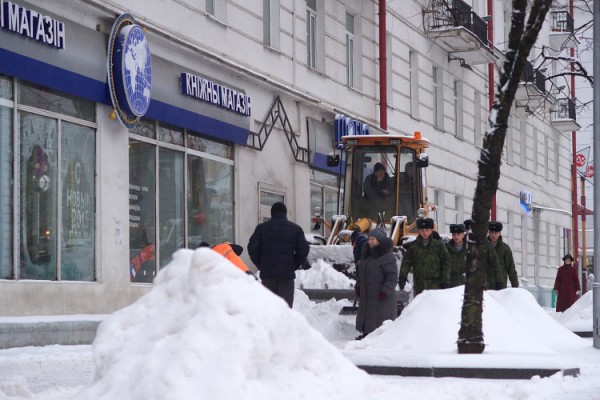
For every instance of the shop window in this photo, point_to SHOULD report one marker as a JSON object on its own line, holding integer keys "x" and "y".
{"x": 6, "y": 91}
{"x": 56, "y": 187}
{"x": 181, "y": 194}
{"x": 6, "y": 192}
{"x": 324, "y": 194}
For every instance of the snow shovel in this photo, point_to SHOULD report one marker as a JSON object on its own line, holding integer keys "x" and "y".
{"x": 349, "y": 310}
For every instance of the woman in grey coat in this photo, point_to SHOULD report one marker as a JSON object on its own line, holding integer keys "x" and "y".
{"x": 376, "y": 283}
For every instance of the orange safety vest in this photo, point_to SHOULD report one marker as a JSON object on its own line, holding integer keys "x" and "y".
{"x": 226, "y": 251}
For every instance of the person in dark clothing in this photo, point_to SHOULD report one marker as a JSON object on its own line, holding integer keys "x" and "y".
{"x": 278, "y": 248}
{"x": 566, "y": 285}
{"x": 358, "y": 241}
{"x": 376, "y": 283}
{"x": 378, "y": 184}
{"x": 504, "y": 253}
{"x": 457, "y": 249}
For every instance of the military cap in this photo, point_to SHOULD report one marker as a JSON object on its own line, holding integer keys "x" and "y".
{"x": 424, "y": 223}
{"x": 495, "y": 226}
{"x": 468, "y": 223}
{"x": 457, "y": 228}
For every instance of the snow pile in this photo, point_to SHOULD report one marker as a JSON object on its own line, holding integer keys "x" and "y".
{"x": 325, "y": 318}
{"x": 579, "y": 317}
{"x": 207, "y": 331}
{"x": 322, "y": 275}
{"x": 341, "y": 253}
{"x": 513, "y": 322}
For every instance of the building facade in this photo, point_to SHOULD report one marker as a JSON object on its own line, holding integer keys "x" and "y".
{"x": 244, "y": 97}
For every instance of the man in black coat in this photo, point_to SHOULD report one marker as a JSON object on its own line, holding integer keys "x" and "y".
{"x": 278, "y": 248}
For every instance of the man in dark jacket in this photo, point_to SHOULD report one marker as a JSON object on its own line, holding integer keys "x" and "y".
{"x": 278, "y": 248}
{"x": 428, "y": 259}
{"x": 457, "y": 249}
{"x": 504, "y": 253}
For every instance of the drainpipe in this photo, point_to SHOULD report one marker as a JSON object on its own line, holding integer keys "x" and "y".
{"x": 382, "y": 68}
{"x": 491, "y": 66}
{"x": 575, "y": 219}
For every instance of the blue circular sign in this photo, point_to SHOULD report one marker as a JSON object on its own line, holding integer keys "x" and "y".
{"x": 129, "y": 70}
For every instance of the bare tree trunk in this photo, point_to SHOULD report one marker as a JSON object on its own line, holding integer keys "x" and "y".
{"x": 520, "y": 41}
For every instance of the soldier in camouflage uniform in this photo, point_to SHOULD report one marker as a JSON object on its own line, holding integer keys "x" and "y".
{"x": 428, "y": 259}
{"x": 493, "y": 270}
{"x": 507, "y": 263}
{"x": 457, "y": 249}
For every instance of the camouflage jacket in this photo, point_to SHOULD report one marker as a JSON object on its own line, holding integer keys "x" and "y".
{"x": 430, "y": 264}
{"x": 507, "y": 264}
{"x": 491, "y": 263}
{"x": 458, "y": 259}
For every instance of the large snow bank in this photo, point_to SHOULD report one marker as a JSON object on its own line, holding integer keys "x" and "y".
{"x": 579, "y": 317}
{"x": 207, "y": 331}
{"x": 322, "y": 275}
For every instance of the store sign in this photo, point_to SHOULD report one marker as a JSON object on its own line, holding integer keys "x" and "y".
{"x": 346, "y": 126}
{"x": 215, "y": 93}
{"x": 525, "y": 200}
{"x": 582, "y": 159}
{"x": 32, "y": 24}
{"x": 129, "y": 70}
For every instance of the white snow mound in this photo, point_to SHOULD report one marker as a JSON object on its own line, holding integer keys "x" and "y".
{"x": 207, "y": 331}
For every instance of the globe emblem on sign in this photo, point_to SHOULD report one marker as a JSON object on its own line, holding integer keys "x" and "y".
{"x": 137, "y": 70}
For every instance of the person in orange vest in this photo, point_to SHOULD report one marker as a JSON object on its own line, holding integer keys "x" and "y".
{"x": 231, "y": 252}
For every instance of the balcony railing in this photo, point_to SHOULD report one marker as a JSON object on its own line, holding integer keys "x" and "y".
{"x": 534, "y": 76}
{"x": 459, "y": 14}
{"x": 561, "y": 21}
{"x": 565, "y": 109}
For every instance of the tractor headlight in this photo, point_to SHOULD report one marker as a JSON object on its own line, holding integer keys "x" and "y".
{"x": 421, "y": 213}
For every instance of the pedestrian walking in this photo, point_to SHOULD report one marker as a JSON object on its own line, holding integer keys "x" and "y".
{"x": 504, "y": 253}
{"x": 489, "y": 263}
{"x": 566, "y": 284}
{"x": 457, "y": 249}
{"x": 278, "y": 248}
{"x": 376, "y": 283}
{"x": 427, "y": 258}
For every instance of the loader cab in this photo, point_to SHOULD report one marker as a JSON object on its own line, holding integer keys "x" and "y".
{"x": 385, "y": 177}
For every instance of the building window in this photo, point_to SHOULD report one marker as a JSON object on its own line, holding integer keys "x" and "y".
{"x": 388, "y": 70}
{"x": 413, "y": 76}
{"x": 350, "y": 49}
{"x": 311, "y": 33}
{"x": 180, "y": 194}
{"x": 458, "y": 109}
{"x": 53, "y": 198}
{"x": 477, "y": 124}
{"x": 210, "y": 7}
{"x": 271, "y": 23}
{"x": 324, "y": 194}
{"x": 437, "y": 98}
{"x": 523, "y": 136}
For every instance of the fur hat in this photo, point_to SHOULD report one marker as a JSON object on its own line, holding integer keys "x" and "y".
{"x": 378, "y": 234}
{"x": 568, "y": 256}
{"x": 457, "y": 228}
{"x": 467, "y": 223}
{"x": 278, "y": 208}
{"x": 425, "y": 223}
{"x": 495, "y": 226}
{"x": 378, "y": 166}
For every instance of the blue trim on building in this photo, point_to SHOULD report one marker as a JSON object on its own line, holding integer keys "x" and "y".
{"x": 320, "y": 162}
{"x": 41, "y": 73}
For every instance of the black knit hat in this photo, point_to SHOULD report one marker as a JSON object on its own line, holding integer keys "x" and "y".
{"x": 378, "y": 166}
{"x": 457, "y": 228}
{"x": 378, "y": 234}
{"x": 568, "y": 256}
{"x": 278, "y": 208}
{"x": 424, "y": 223}
{"x": 495, "y": 226}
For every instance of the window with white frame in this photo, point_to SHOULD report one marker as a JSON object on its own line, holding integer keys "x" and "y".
{"x": 210, "y": 7}
{"x": 324, "y": 194}
{"x": 478, "y": 123}
{"x": 438, "y": 116}
{"x": 458, "y": 108}
{"x": 48, "y": 187}
{"x": 413, "y": 77}
{"x": 311, "y": 33}
{"x": 271, "y": 18}
{"x": 388, "y": 70}
{"x": 350, "y": 49}
{"x": 523, "y": 137}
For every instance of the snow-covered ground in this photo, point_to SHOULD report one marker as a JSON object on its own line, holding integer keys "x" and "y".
{"x": 207, "y": 331}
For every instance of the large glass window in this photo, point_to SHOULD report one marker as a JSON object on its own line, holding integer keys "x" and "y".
{"x": 311, "y": 38}
{"x": 324, "y": 194}
{"x": 350, "y": 49}
{"x": 180, "y": 194}
{"x": 47, "y": 208}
